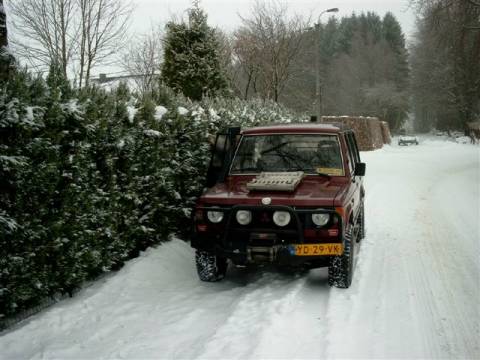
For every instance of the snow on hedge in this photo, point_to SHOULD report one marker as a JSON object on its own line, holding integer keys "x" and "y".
{"x": 132, "y": 111}
{"x": 160, "y": 111}
{"x": 152, "y": 133}
{"x": 182, "y": 111}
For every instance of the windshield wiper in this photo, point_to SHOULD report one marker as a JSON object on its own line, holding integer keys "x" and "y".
{"x": 323, "y": 174}
{"x": 307, "y": 170}
{"x": 246, "y": 169}
{"x": 276, "y": 147}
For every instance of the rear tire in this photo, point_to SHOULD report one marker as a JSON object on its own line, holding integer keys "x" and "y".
{"x": 340, "y": 270}
{"x": 210, "y": 268}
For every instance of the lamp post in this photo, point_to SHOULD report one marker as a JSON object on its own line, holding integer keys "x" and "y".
{"x": 318, "y": 88}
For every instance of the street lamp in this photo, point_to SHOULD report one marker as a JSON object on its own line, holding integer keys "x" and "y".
{"x": 318, "y": 89}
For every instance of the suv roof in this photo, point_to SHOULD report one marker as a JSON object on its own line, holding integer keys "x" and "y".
{"x": 297, "y": 128}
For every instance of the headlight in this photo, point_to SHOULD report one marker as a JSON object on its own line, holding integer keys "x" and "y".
{"x": 244, "y": 217}
{"x": 215, "y": 216}
{"x": 281, "y": 218}
{"x": 320, "y": 219}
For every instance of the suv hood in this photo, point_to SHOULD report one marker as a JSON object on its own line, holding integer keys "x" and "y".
{"x": 313, "y": 191}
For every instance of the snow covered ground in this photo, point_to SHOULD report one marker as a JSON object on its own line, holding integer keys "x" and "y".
{"x": 416, "y": 291}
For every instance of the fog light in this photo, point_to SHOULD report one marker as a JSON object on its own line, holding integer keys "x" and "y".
{"x": 215, "y": 216}
{"x": 281, "y": 218}
{"x": 320, "y": 219}
{"x": 244, "y": 217}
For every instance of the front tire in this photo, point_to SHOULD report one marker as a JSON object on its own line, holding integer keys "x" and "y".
{"x": 210, "y": 268}
{"x": 340, "y": 270}
{"x": 361, "y": 223}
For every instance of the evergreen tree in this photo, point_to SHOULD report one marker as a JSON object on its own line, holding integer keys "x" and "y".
{"x": 347, "y": 29}
{"x": 191, "y": 57}
{"x": 370, "y": 27}
{"x": 393, "y": 35}
{"x": 368, "y": 72}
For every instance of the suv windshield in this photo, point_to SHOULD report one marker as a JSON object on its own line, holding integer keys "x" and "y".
{"x": 313, "y": 154}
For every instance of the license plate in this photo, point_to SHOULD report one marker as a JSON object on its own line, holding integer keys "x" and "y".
{"x": 316, "y": 249}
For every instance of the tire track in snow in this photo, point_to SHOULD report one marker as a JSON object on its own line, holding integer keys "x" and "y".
{"x": 445, "y": 274}
{"x": 239, "y": 335}
{"x": 392, "y": 308}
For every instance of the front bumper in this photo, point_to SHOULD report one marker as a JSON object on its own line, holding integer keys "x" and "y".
{"x": 266, "y": 242}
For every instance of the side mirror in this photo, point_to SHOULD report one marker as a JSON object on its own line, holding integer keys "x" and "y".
{"x": 360, "y": 169}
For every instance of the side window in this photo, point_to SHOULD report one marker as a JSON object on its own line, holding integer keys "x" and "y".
{"x": 351, "y": 157}
{"x": 357, "y": 153}
{"x": 353, "y": 147}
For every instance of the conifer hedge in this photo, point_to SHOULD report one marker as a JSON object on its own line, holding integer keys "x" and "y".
{"x": 89, "y": 178}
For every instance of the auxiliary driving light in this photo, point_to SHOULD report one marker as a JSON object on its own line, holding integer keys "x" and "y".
{"x": 320, "y": 219}
{"x": 244, "y": 217}
{"x": 281, "y": 218}
{"x": 215, "y": 216}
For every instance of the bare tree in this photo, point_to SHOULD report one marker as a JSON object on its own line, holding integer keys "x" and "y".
{"x": 447, "y": 52}
{"x": 246, "y": 53}
{"x": 226, "y": 56}
{"x": 143, "y": 59}
{"x": 267, "y": 44}
{"x": 103, "y": 28}
{"x": 72, "y": 34}
{"x": 436, "y": 9}
{"x": 45, "y": 31}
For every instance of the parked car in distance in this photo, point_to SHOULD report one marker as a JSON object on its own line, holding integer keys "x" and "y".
{"x": 290, "y": 195}
{"x": 407, "y": 140}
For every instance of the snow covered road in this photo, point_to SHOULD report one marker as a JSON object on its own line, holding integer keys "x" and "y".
{"x": 416, "y": 290}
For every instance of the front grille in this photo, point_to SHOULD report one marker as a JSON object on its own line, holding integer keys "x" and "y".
{"x": 263, "y": 219}
{"x": 262, "y": 231}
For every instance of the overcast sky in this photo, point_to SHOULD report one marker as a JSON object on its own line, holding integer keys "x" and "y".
{"x": 225, "y": 13}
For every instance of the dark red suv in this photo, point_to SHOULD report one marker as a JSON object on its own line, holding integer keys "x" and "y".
{"x": 291, "y": 195}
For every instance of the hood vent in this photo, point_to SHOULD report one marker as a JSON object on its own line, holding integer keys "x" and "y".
{"x": 276, "y": 181}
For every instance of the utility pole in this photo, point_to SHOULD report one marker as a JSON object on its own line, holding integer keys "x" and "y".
{"x": 318, "y": 84}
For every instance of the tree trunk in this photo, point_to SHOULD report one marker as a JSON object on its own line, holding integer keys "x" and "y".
{"x": 3, "y": 26}
{"x": 64, "y": 41}
{"x": 247, "y": 87}
{"x": 5, "y": 58}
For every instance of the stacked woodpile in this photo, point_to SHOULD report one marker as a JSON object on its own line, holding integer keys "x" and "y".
{"x": 368, "y": 130}
{"x": 387, "y": 137}
{"x": 472, "y": 130}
